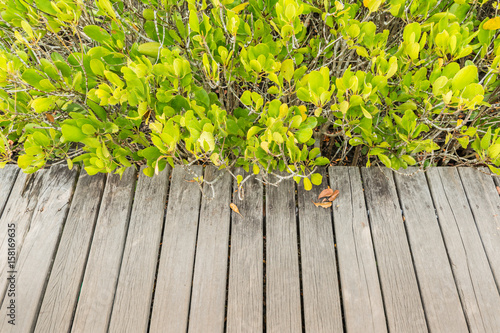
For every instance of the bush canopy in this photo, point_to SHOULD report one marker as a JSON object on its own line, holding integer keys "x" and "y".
{"x": 273, "y": 86}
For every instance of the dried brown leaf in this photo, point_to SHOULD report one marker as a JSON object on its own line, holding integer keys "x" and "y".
{"x": 235, "y": 209}
{"x": 50, "y": 117}
{"x": 334, "y": 196}
{"x": 322, "y": 204}
{"x": 325, "y": 193}
{"x": 498, "y": 190}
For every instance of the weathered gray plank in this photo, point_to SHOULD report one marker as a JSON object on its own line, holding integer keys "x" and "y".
{"x": 38, "y": 249}
{"x": 175, "y": 273}
{"x": 322, "y": 309}
{"x": 7, "y": 179}
{"x": 442, "y": 305}
{"x": 208, "y": 298}
{"x": 361, "y": 294}
{"x": 485, "y": 205}
{"x": 246, "y": 279}
{"x": 20, "y": 208}
{"x": 470, "y": 266}
{"x": 282, "y": 261}
{"x": 134, "y": 291}
{"x": 59, "y": 302}
{"x": 403, "y": 306}
{"x": 103, "y": 266}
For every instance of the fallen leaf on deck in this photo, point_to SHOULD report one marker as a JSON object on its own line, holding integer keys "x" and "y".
{"x": 235, "y": 209}
{"x": 325, "y": 193}
{"x": 334, "y": 196}
{"x": 498, "y": 190}
{"x": 322, "y": 204}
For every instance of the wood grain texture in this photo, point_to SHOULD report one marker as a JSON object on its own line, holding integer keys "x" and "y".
{"x": 134, "y": 291}
{"x": 322, "y": 309}
{"x": 246, "y": 280}
{"x": 473, "y": 276}
{"x": 7, "y": 179}
{"x": 442, "y": 305}
{"x": 283, "y": 312}
{"x": 34, "y": 261}
{"x": 19, "y": 208}
{"x": 59, "y": 302}
{"x": 175, "y": 273}
{"x": 403, "y": 306}
{"x": 361, "y": 293}
{"x": 103, "y": 266}
{"x": 485, "y": 205}
{"x": 208, "y": 298}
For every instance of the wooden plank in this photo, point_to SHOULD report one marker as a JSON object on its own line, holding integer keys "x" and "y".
{"x": 283, "y": 312}
{"x": 59, "y": 302}
{"x": 322, "y": 309}
{"x": 38, "y": 249}
{"x": 246, "y": 269}
{"x": 208, "y": 298}
{"x": 485, "y": 205}
{"x": 20, "y": 208}
{"x": 103, "y": 266}
{"x": 403, "y": 306}
{"x": 361, "y": 294}
{"x": 470, "y": 266}
{"x": 7, "y": 179}
{"x": 134, "y": 290}
{"x": 175, "y": 273}
{"x": 442, "y": 305}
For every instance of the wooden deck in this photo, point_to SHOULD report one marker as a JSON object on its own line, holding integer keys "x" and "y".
{"x": 393, "y": 254}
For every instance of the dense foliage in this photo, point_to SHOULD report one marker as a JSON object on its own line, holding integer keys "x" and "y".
{"x": 268, "y": 85}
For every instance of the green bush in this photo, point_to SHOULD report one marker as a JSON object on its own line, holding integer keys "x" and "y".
{"x": 267, "y": 85}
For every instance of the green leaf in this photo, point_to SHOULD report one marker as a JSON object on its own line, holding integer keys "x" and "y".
{"x": 26, "y": 26}
{"x": 113, "y": 78}
{"x": 304, "y": 135}
{"x": 287, "y": 69}
{"x": 97, "y": 67}
{"x": 252, "y": 131}
{"x": 464, "y": 77}
{"x": 88, "y": 129}
{"x": 32, "y": 77}
{"x": 42, "y": 104}
{"x": 372, "y": 5}
{"x": 316, "y": 178}
{"x": 72, "y": 133}
{"x": 408, "y": 159}
{"x": 193, "y": 21}
{"x": 150, "y": 49}
{"x": 97, "y": 33}
{"x": 314, "y": 152}
{"x": 307, "y": 184}
{"x": 255, "y": 65}
{"x": 486, "y": 140}
{"x": 107, "y": 7}
{"x": 207, "y": 141}
{"x": 384, "y": 159}
{"x": 246, "y": 98}
{"x": 494, "y": 151}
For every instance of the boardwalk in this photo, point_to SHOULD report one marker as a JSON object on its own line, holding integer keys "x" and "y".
{"x": 393, "y": 254}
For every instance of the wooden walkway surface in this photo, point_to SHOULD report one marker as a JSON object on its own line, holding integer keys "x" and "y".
{"x": 393, "y": 254}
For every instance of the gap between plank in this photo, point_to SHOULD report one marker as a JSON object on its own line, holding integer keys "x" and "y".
{"x": 297, "y": 222}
